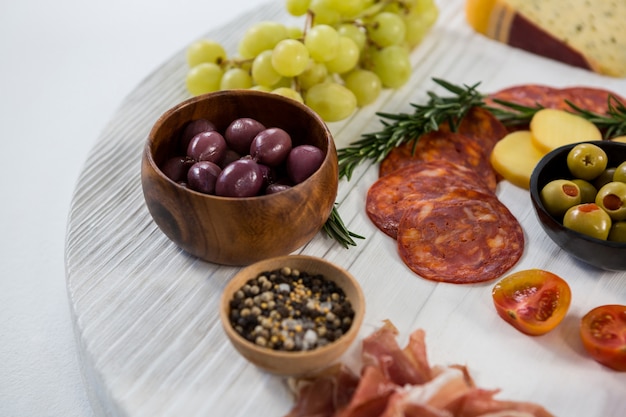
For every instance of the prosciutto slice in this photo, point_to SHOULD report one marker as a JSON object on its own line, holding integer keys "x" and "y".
{"x": 399, "y": 382}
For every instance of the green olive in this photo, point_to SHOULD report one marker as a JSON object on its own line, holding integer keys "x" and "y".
{"x": 587, "y": 190}
{"x": 588, "y": 219}
{"x": 618, "y": 232}
{"x": 612, "y": 199}
{"x": 604, "y": 178}
{"x": 620, "y": 173}
{"x": 586, "y": 161}
{"x": 559, "y": 195}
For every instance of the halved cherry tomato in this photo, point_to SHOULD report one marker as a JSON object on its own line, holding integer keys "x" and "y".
{"x": 603, "y": 333}
{"x": 533, "y": 301}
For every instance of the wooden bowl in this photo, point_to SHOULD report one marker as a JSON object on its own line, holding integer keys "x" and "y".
{"x": 602, "y": 254}
{"x": 239, "y": 231}
{"x": 296, "y": 363}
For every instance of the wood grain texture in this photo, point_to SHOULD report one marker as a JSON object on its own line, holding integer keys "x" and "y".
{"x": 301, "y": 363}
{"x": 234, "y": 230}
{"x": 146, "y": 314}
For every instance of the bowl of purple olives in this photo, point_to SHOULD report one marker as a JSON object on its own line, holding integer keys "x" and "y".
{"x": 234, "y": 177}
{"x": 578, "y": 192}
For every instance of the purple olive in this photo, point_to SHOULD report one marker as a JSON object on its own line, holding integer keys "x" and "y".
{"x": 202, "y": 176}
{"x": 303, "y": 161}
{"x": 271, "y": 146}
{"x": 207, "y": 146}
{"x": 240, "y": 133}
{"x": 241, "y": 178}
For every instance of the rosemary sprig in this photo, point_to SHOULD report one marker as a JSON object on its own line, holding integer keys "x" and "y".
{"x": 336, "y": 229}
{"x": 403, "y": 127}
{"x": 612, "y": 124}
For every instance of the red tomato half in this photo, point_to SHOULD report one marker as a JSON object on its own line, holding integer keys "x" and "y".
{"x": 603, "y": 333}
{"x": 533, "y": 301}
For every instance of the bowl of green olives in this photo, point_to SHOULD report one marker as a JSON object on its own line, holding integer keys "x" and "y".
{"x": 578, "y": 192}
{"x": 237, "y": 176}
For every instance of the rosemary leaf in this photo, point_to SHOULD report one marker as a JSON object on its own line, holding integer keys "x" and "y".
{"x": 337, "y": 230}
{"x": 400, "y": 128}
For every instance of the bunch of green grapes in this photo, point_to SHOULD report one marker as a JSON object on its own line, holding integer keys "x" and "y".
{"x": 346, "y": 53}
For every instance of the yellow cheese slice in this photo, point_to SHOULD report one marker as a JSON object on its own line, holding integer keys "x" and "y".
{"x": 583, "y": 33}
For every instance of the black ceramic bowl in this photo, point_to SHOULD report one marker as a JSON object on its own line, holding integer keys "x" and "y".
{"x": 599, "y": 253}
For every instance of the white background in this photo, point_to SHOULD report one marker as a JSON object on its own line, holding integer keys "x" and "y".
{"x": 65, "y": 67}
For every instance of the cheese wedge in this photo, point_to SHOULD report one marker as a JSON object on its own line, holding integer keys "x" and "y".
{"x": 584, "y": 33}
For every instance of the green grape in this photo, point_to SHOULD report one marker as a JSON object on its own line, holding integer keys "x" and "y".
{"x": 204, "y": 78}
{"x": 284, "y": 82}
{"x": 348, "y": 8}
{"x": 365, "y": 85}
{"x": 353, "y": 32}
{"x": 386, "y": 29}
{"x": 322, "y": 41}
{"x": 323, "y": 14}
{"x": 297, "y": 7}
{"x": 418, "y": 22}
{"x": 423, "y": 6}
{"x": 392, "y": 65}
{"x": 236, "y": 78}
{"x": 261, "y": 88}
{"x": 347, "y": 57}
{"x": 263, "y": 71}
{"x": 315, "y": 73}
{"x": 290, "y": 57}
{"x": 331, "y": 101}
{"x": 294, "y": 32}
{"x": 205, "y": 50}
{"x": 261, "y": 37}
{"x": 288, "y": 92}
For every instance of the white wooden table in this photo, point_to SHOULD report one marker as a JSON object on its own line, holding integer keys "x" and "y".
{"x": 145, "y": 312}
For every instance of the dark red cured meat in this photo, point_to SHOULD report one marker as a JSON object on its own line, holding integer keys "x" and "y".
{"x": 482, "y": 126}
{"x": 465, "y": 237}
{"x": 588, "y": 98}
{"x": 528, "y": 95}
{"x": 390, "y": 195}
{"x": 324, "y": 394}
{"x": 439, "y": 145}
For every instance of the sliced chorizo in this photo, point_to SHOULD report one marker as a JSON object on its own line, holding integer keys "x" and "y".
{"x": 441, "y": 145}
{"x": 391, "y": 194}
{"x": 464, "y": 237}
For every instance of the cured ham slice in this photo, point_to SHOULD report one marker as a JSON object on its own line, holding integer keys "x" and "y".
{"x": 383, "y": 390}
{"x": 401, "y": 366}
{"x": 325, "y": 393}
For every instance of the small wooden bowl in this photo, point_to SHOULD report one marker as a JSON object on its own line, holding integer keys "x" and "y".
{"x": 239, "y": 231}
{"x": 302, "y": 362}
{"x": 602, "y": 254}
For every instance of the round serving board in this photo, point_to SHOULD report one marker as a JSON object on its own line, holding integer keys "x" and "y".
{"x": 146, "y": 314}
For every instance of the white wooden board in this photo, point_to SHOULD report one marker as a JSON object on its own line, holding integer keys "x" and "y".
{"x": 145, "y": 313}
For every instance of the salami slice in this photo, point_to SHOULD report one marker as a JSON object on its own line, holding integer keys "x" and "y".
{"x": 441, "y": 145}
{"x": 482, "y": 126}
{"x": 464, "y": 237}
{"x": 588, "y": 98}
{"x": 391, "y": 195}
{"x": 529, "y": 95}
